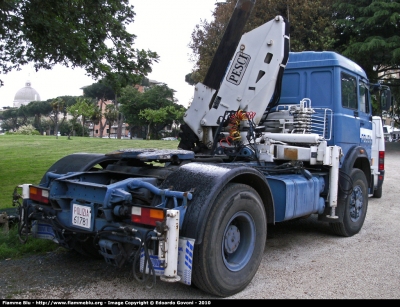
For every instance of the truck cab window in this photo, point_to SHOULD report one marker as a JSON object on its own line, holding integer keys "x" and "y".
{"x": 349, "y": 91}
{"x": 363, "y": 97}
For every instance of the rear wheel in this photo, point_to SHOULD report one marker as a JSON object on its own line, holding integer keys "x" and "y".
{"x": 355, "y": 206}
{"x": 378, "y": 192}
{"x": 233, "y": 244}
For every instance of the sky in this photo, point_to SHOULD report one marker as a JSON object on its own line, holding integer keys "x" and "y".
{"x": 160, "y": 25}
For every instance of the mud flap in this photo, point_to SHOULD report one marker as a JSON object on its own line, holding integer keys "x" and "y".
{"x": 185, "y": 260}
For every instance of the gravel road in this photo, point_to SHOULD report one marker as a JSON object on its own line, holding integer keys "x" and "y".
{"x": 302, "y": 260}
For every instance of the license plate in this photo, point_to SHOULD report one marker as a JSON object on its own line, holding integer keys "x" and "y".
{"x": 81, "y": 216}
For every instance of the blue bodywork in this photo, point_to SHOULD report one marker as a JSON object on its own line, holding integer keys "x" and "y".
{"x": 318, "y": 76}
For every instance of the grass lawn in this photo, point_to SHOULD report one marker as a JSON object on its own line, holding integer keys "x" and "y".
{"x": 26, "y": 158}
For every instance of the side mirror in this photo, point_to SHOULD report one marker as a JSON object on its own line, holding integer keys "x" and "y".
{"x": 385, "y": 99}
{"x": 383, "y": 95}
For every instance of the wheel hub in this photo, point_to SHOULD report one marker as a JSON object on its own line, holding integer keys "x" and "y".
{"x": 232, "y": 239}
{"x": 356, "y": 203}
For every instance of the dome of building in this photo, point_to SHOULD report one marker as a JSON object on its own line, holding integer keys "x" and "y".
{"x": 25, "y": 95}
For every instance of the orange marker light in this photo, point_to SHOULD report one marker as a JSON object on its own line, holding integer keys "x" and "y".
{"x": 147, "y": 216}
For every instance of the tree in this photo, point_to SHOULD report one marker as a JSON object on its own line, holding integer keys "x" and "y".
{"x": 72, "y": 125}
{"x": 158, "y": 96}
{"x": 111, "y": 116}
{"x": 310, "y": 29}
{"x": 101, "y": 93}
{"x": 96, "y": 117}
{"x": 37, "y": 109}
{"x": 74, "y": 33}
{"x": 10, "y": 119}
{"x": 368, "y": 33}
{"x": 85, "y": 108}
{"x": 69, "y": 100}
{"x": 190, "y": 79}
{"x": 176, "y": 113}
{"x": 163, "y": 116}
{"x": 179, "y": 113}
{"x": 117, "y": 82}
{"x": 132, "y": 102}
{"x": 153, "y": 116}
{"x": 23, "y": 114}
{"x": 58, "y": 107}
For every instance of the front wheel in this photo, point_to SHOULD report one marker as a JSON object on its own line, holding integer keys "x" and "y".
{"x": 355, "y": 206}
{"x": 233, "y": 244}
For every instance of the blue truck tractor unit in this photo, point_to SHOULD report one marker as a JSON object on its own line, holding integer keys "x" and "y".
{"x": 270, "y": 136}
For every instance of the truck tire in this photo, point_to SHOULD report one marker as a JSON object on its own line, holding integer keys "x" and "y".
{"x": 233, "y": 244}
{"x": 355, "y": 207}
{"x": 378, "y": 192}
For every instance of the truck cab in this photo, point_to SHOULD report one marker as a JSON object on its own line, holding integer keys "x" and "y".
{"x": 333, "y": 82}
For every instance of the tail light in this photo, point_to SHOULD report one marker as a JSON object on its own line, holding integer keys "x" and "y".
{"x": 381, "y": 163}
{"x": 147, "y": 216}
{"x": 39, "y": 194}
